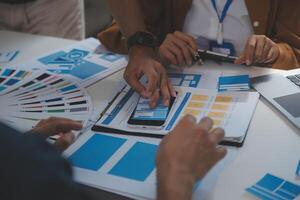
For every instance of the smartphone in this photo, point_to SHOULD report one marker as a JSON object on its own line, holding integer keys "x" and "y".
{"x": 145, "y": 117}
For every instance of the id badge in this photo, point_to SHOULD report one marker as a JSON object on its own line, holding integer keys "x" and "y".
{"x": 225, "y": 48}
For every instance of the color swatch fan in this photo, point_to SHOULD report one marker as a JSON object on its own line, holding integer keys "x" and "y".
{"x": 41, "y": 95}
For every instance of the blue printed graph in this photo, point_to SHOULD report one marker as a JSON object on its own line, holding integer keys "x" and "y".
{"x": 273, "y": 188}
{"x": 96, "y": 152}
{"x": 72, "y": 63}
{"x": 187, "y": 80}
{"x": 138, "y": 162}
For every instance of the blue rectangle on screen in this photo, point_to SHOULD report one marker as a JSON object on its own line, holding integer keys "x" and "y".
{"x": 96, "y": 152}
{"x": 272, "y": 188}
{"x": 68, "y": 88}
{"x": 138, "y": 162}
{"x": 298, "y": 169}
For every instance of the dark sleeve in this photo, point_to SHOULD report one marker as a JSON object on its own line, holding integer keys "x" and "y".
{"x": 31, "y": 169}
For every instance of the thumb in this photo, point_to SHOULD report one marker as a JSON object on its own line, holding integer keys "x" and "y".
{"x": 56, "y": 125}
{"x": 240, "y": 60}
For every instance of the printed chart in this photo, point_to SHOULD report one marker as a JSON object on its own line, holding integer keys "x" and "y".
{"x": 185, "y": 79}
{"x": 11, "y": 77}
{"x": 108, "y": 160}
{"x": 117, "y": 163}
{"x": 41, "y": 96}
{"x": 223, "y": 108}
{"x": 275, "y": 188}
{"x": 80, "y": 62}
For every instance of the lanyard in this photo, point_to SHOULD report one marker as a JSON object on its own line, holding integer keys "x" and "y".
{"x": 221, "y": 18}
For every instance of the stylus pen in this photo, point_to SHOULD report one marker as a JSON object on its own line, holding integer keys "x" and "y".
{"x": 210, "y": 55}
{"x": 218, "y": 57}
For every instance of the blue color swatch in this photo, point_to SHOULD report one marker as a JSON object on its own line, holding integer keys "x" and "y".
{"x": 298, "y": 169}
{"x": 187, "y": 80}
{"x": 138, "y": 163}
{"x": 234, "y": 83}
{"x": 68, "y": 88}
{"x": 228, "y": 80}
{"x": 273, "y": 188}
{"x": 8, "y": 72}
{"x": 2, "y": 88}
{"x": 11, "y": 82}
{"x": 96, "y": 152}
{"x": 72, "y": 63}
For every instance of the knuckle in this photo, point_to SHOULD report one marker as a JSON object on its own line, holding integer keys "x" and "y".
{"x": 210, "y": 144}
{"x": 169, "y": 36}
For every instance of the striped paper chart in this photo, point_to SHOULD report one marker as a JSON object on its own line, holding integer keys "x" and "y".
{"x": 27, "y": 97}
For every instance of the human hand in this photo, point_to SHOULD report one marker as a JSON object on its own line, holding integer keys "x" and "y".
{"x": 185, "y": 155}
{"x": 178, "y": 48}
{"x": 259, "y": 49}
{"x": 142, "y": 61}
{"x": 58, "y": 126}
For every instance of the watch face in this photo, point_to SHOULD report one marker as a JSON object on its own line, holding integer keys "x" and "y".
{"x": 140, "y": 40}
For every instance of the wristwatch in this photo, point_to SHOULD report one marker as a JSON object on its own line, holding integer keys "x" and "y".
{"x": 143, "y": 39}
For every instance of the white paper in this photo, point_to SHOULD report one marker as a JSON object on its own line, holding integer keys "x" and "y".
{"x": 236, "y": 106}
{"x": 82, "y": 62}
{"x": 132, "y": 188}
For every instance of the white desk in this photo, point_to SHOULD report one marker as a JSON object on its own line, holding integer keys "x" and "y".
{"x": 272, "y": 144}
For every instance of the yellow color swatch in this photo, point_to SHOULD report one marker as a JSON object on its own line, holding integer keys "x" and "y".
{"x": 223, "y": 107}
{"x": 196, "y": 97}
{"x": 217, "y": 122}
{"x": 216, "y": 114}
{"x": 194, "y": 104}
{"x": 195, "y": 113}
{"x": 226, "y": 99}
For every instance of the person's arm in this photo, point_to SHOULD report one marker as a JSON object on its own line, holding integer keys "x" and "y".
{"x": 128, "y": 14}
{"x": 142, "y": 60}
{"x": 32, "y": 169}
{"x": 186, "y": 155}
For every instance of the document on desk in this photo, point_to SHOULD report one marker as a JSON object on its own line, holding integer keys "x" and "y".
{"x": 81, "y": 62}
{"x": 274, "y": 188}
{"x": 126, "y": 164}
{"x": 41, "y": 96}
{"x": 192, "y": 79}
{"x": 11, "y": 78}
{"x": 230, "y": 110}
{"x": 6, "y": 57}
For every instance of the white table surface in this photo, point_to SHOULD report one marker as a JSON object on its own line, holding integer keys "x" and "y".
{"x": 272, "y": 144}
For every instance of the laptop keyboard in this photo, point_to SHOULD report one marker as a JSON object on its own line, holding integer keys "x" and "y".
{"x": 294, "y": 79}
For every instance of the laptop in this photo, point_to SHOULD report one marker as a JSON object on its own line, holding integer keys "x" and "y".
{"x": 283, "y": 92}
